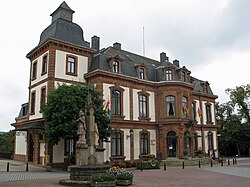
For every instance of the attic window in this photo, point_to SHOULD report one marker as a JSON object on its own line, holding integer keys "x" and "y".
{"x": 115, "y": 67}
{"x": 205, "y": 88}
{"x": 183, "y": 76}
{"x": 169, "y": 76}
{"x": 141, "y": 73}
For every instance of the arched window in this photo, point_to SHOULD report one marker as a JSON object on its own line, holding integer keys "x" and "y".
{"x": 115, "y": 67}
{"x": 143, "y": 105}
{"x": 144, "y": 143}
{"x": 116, "y": 103}
{"x": 170, "y": 105}
{"x": 116, "y": 144}
{"x": 169, "y": 76}
{"x": 184, "y": 107}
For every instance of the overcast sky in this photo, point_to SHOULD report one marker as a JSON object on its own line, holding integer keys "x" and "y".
{"x": 210, "y": 37}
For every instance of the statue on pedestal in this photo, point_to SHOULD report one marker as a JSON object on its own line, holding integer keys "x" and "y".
{"x": 81, "y": 128}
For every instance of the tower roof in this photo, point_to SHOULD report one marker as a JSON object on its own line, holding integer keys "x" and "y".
{"x": 63, "y": 12}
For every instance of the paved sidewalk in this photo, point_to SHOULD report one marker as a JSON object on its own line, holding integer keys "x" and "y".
{"x": 233, "y": 175}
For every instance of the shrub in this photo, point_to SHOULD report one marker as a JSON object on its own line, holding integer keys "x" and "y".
{"x": 127, "y": 175}
{"x": 151, "y": 164}
{"x": 103, "y": 177}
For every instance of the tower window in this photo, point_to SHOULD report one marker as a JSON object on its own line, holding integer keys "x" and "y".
{"x": 71, "y": 65}
{"x": 44, "y": 64}
{"x": 34, "y": 70}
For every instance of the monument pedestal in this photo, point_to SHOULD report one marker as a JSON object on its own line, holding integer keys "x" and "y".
{"x": 89, "y": 158}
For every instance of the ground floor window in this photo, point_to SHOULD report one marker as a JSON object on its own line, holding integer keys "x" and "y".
{"x": 144, "y": 143}
{"x": 68, "y": 146}
{"x": 116, "y": 144}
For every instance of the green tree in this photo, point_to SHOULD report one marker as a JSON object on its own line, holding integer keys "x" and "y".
{"x": 62, "y": 109}
{"x": 7, "y": 142}
{"x": 240, "y": 98}
{"x": 233, "y": 121}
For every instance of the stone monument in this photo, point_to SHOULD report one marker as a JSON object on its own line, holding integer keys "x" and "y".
{"x": 89, "y": 156}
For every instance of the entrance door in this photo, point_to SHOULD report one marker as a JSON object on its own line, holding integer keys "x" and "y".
{"x": 171, "y": 142}
{"x": 31, "y": 148}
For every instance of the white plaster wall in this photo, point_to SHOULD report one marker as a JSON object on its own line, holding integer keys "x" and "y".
{"x": 58, "y": 152}
{"x": 39, "y": 77}
{"x": 151, "y": 106}
{"x": 215, "y": 139}
{"x": 42, "y": 152}
{"x": 107, "y": 152}
{"x": 106, "y": 91}
{"x": 60, "y": 69}
{"x": 136, "y": 143}
{"x": 212, "y": 113}
{"x": 152, "y": 141}
{"x": 126, "y": 103}
{"x": 135, "y": 105}
{"x": 21, "y": 143}
{"x": 42, "y": 149}
{"x": 204, "y": 112}
{"x": 197, "y": 106}
{"x": 38, "y": 114}
{"x": 206, "y": 141}
{"x": 199, "y": 139}
{"x": 126, "y": 143}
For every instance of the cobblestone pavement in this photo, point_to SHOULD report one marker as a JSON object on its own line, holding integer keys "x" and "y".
{"x": 173, "y": 176}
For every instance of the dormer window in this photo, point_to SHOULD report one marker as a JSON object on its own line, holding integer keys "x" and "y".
{"x": 183, "y": 76}
{"x": 115, "y": 67}
{"x": 205, "y": 88}
{"x": 169, "y": 76}
{"x": 141, "y": 73}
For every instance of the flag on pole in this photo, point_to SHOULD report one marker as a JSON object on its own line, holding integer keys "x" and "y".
{"x": 107, "y": 108}
{"x": 199, "y": 112}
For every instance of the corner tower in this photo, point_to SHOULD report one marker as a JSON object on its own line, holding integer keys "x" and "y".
{"x": 61, "y": 56}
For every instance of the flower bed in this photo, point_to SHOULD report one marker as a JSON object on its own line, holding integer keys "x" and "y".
{"x": 151, "y": 164}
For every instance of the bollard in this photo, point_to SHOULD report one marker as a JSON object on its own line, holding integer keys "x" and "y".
{"x": 233, "y": 161}
{"x": 211, "y": 163}
{"x": 222, "y": 163}
{"x": 8, "y": 166}
{"x": 141, "y": 166}
{"x": 165, "y": 167}
{"x": 228, "y": 162}
{"x": 183, "y": 165}
{"x": 27, "y": 167}
{"x": 199, "y": 164}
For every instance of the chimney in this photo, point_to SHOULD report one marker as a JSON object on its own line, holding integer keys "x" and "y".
{"x": 176, "y": 63}
{"x": 117, "y": 46}
{"x": 95, "y": 43}
{"x": 87, "y": 43}
{"x": 163, "y": 57}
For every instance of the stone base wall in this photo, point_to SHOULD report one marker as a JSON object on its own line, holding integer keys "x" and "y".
{"x": 20, "y": 157}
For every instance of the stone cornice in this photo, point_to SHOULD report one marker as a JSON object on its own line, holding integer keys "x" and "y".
{"x": 37, "y": 51}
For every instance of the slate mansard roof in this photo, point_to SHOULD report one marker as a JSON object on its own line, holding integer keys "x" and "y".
{"x": 155, "y": 69}
{"x": 63, "y": 29}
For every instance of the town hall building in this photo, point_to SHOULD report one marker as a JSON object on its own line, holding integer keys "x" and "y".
{"x": 157, "y": 107}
